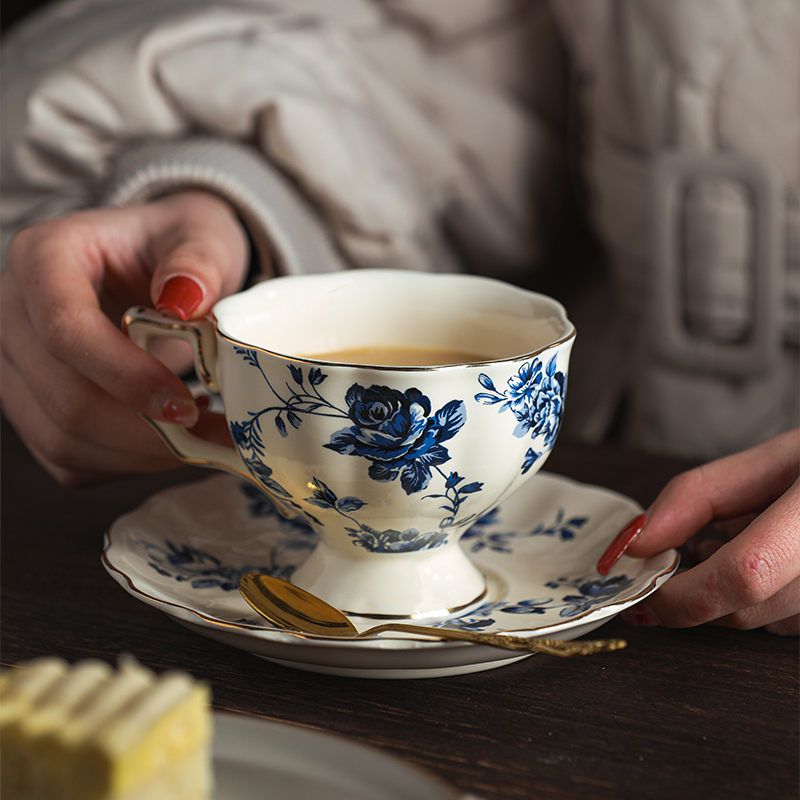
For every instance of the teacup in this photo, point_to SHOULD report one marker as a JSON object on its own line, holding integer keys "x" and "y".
{"x": 388, "y": 462}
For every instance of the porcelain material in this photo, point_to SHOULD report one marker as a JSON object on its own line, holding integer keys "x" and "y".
{"x": 184, "y": 550}
{"x": 256, "y": 758}
{"x": 389, "y": 465}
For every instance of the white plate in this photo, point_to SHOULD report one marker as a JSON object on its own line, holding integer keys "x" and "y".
{"x": 256, "y": 758}
{"x": 184, "y": 549}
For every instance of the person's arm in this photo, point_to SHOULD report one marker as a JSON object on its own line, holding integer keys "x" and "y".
{"x": 286, "y": 232}
{"x": 403, "y": 144}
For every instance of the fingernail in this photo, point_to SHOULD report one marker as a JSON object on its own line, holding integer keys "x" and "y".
{"x": 638, "y": 615}
{"x": 181, "y": 295}
{"x": 624, "y": 539}
{"x": 203, "y": 402}
{"x": 179, "y": 410}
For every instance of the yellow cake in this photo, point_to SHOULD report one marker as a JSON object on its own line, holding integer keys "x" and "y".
{"x": 90, "y": 732}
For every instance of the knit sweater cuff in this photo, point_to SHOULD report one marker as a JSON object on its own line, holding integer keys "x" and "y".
{"x": 286, "y": 231}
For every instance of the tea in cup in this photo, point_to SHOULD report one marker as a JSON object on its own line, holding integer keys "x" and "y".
{"x": 389, "y": 410}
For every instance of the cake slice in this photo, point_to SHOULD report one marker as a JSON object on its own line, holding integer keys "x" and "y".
{"x": 89, "y": 732}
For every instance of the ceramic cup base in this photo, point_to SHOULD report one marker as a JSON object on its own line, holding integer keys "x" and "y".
{"x": 431, "y": 584}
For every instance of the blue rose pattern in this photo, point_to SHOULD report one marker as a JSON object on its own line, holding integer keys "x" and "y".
{"x": 397, "y": 433}
{"x": 401, "y": 436}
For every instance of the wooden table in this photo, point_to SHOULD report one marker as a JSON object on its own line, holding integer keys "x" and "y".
{"x": 703, "y": 713}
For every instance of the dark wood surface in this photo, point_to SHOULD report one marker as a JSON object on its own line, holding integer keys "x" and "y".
{"x": 702, "y": 713}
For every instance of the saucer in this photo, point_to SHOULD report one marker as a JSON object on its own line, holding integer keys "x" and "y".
{"x": 184, "y": 549}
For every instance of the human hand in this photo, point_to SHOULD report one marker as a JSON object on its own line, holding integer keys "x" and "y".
{"x": 73, "y": 383}
{"x": 750, "y": 576}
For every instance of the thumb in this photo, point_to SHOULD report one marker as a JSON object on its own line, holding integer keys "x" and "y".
{"x": 200, "y": 254}
{"x": 182, "y": 295}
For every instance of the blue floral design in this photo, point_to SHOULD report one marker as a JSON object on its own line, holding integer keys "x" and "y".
{"x": 261, "y": 505}
{"x": 397, "y": 433}
{"x": 200, "y": 569}
{"x": 296, "y": 399}
{"x": 204, "y": 571}
{"x": 394, "y": 430}
{"x": 475, "y": 620}
{"x": 483, "y": 616}
{"x": 264, "y": 475}
{"x": 527, "y": 607}
{"x": 389, "y": 541}
{"x": 483, "y": 536}
{"x": 497, "y": 542}
{"x": 531, "y": 457}
{"x": 454, "y": 495}
{"x": 591, "y": 592}
{"x": 535, "y": 397}
{"x": 561, "y": 528}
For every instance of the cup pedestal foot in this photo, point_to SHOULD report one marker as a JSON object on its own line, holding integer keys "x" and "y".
{"x": 432, "y": 583}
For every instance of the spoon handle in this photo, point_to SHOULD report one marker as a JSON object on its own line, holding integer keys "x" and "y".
{"x": 551, "y": 647}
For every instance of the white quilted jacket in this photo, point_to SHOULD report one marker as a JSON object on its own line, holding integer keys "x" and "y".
{"x": 459, "y": 134}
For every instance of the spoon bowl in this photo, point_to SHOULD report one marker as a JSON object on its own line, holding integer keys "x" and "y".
{"x": 294, "y": 609}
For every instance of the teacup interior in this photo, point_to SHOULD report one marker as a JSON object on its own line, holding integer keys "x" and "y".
{"x": 308, "y": 316}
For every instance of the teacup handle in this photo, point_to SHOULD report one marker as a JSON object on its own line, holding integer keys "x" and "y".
{"x": 142, "y": 325}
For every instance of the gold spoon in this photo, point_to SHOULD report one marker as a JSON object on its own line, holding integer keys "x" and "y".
{"x": 295, "y": 609}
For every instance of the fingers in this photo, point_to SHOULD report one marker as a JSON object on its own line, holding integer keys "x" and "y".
{"x": 750, "y": 581}
{"x": 70, "y": 402}
{"x": 76, "y": 431}
{"x": 780, "y": 614}
{"x": 790, "y": 626}
{"x": 69, "y": 457}
{"x": 199, "y": 249}
{"x": 74, "y": 384}
{"x": 730, "y": 487}
{"x": 54, "y": 276}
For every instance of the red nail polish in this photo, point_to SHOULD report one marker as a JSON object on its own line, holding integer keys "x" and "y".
{"x": 624, "y": 539}
{"x": 180, "y": 295}
{"x": 179, "y": 410}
